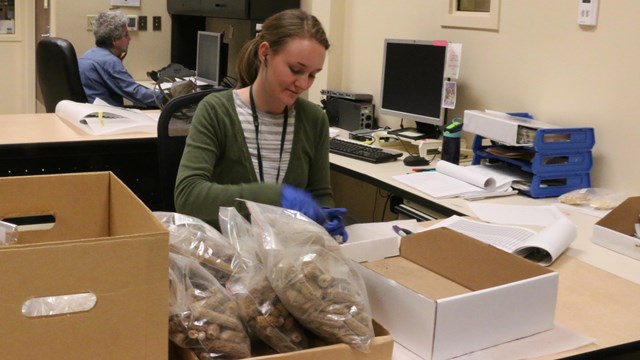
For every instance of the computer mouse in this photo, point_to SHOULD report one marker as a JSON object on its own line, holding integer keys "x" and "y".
{"x": 415, "y": 160}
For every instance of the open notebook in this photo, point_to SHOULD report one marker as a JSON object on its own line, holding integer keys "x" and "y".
{"x": 450, "y": 180}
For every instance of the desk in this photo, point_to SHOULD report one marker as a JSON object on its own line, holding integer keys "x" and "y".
{"x": 599, "y": 291}
{"x": 599, "y": 294}
{"x": 381, "y": 175}
{"x": 34, "y": 144}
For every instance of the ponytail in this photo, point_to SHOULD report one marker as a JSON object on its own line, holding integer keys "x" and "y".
{"x": 248, "y": 63}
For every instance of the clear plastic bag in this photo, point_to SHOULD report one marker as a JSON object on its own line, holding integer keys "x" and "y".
{"x": 8, "y": 233}
{"x": 194, "y": 238}
{"x": 202, "y": 316}
{"x": 264, "y": 315}
{"x": 596, "y": 198}
{"x": 317, "y": 284}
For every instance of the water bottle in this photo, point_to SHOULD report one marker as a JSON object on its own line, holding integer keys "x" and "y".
{"x": 451, "y": 142}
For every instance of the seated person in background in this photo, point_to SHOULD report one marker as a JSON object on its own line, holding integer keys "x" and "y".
{"x": 101, "y": 70}
{"x": 261, "y": 141}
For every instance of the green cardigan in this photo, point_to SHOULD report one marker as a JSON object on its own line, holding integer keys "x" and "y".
{"x": 216, "y": 168}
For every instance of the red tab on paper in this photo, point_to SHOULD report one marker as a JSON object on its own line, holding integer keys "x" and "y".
{"x": 440, "y": 42}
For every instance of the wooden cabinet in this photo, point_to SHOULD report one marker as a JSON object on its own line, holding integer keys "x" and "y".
{"x": 231, "y": 9}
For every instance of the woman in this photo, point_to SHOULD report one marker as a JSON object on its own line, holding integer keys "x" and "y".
{"x": 261, "y": 142}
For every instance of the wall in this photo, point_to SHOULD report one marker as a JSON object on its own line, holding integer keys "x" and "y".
{"x": 149, "y": 50}
{"x": 16, "y": 73}
{"x": 539, "y": 61}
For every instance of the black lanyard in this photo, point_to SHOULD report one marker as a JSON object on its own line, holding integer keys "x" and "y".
{"x": 256, "y": 124}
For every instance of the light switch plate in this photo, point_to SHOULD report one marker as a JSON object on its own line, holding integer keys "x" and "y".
{"x": 157, "y": 23}
{"x": 588, "y": 12}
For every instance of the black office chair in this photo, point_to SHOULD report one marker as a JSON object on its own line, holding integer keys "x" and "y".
{"x": 173, "y": 127}
{"x": 58, "y": 74}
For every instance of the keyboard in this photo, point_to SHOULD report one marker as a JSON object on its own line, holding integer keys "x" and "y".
{"x": 359, "y": 151}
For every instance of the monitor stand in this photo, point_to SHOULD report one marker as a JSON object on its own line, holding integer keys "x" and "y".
{"x": 421, "y": 131}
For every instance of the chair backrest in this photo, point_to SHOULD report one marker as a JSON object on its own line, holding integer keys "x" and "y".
{"x": 173, "y": 127}
{"x": 58, "y": 74}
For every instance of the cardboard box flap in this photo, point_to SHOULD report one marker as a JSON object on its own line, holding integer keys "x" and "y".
{"x": 416, "y": 278}
{"x": 123, "y": 206}
{"x": 456, "y": 256}
{"x": 100, "y": 206}
{"x": 623, "y": 218}
{"x": 49, "y": 195}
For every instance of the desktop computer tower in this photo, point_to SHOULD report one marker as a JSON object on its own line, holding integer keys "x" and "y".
{"x": 349, "y": 114}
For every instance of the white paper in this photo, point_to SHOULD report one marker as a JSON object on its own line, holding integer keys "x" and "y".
{"x": 543, "y": 215}
{"x": 543, "y": 247}
{"x": 98, "y": 119}
{"x": 450, "y": 180}
{"x": 454, "y": 58}
{"x": 554, "y": 341}
{"x": 549, "y": 243}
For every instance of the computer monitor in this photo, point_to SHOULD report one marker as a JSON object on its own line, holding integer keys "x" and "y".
{"x": 211, "y": 58}
{"x": 412, "y": 81}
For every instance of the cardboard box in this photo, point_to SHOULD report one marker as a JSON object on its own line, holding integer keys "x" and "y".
{"x": 501, "y": 127}
{"x": 381, "y": 349}
{"x": 104, "y": 242}
{"x": 616, "y": 230}
{"x": 448, "y": 294}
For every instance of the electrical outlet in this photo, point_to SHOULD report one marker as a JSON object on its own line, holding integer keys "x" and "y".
{"x": 90, "y": 20}
{"x": 157, "y": 23}
{"x": 142, "y": 23}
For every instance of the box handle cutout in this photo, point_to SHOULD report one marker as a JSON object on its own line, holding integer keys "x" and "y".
{"x": 58, "y": 305}
{"x": 32, "y": 222}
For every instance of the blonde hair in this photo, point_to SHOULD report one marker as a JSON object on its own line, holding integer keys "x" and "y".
{"x": 277, "y": 30}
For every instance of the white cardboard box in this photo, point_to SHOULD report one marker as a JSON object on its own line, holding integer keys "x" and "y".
{"x": 500, "y": 127}
{"x": 616, "y": 230}
{"x": 448, "y": 294}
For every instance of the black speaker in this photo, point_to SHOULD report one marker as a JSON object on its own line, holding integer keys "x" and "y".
{"x": 350, "y": 115}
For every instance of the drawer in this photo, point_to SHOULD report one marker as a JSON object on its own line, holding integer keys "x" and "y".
{"x": 232, "y": 9}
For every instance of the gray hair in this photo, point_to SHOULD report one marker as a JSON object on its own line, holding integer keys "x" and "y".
{"x": 109, "y": 26}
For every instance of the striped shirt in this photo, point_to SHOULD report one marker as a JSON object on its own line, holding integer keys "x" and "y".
{"x": 270, "y": 134}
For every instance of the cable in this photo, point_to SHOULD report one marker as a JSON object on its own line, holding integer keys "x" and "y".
{"x": 387, "y": 197}
{"x": 401, "y": 142}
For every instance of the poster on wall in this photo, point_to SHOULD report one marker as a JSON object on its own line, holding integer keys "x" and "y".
{"x": 125, "y": 3}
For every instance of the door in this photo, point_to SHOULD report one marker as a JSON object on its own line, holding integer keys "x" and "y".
{"x": 42, "y": 30}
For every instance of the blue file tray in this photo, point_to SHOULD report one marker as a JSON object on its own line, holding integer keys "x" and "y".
{"x": 557, "y": 162}
{"x": 559, "y": 159}
{"x": 556, "y": 184}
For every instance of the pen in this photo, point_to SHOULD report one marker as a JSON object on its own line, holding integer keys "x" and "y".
{"x": 401, "y": 231}
{"x": 423, "y": 169}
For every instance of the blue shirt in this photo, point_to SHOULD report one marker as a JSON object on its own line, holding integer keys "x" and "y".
{"x": 104, "y": 76}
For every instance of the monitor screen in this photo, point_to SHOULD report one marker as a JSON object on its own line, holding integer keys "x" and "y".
{"x": 412, "y": 80}
{"x": 209, "y": 57}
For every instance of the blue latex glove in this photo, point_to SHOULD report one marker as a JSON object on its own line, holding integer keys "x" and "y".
{"x": 335, "y": 224}
{"x": 299, "y": 200}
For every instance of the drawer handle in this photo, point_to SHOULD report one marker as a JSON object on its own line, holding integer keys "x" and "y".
{"x": 221, "y": 5}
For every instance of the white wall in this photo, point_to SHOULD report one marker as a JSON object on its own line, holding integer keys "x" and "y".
{"x": 539, "y": 61}
{"x": 149, "y": 50}
{"x": 16, "y": 71}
